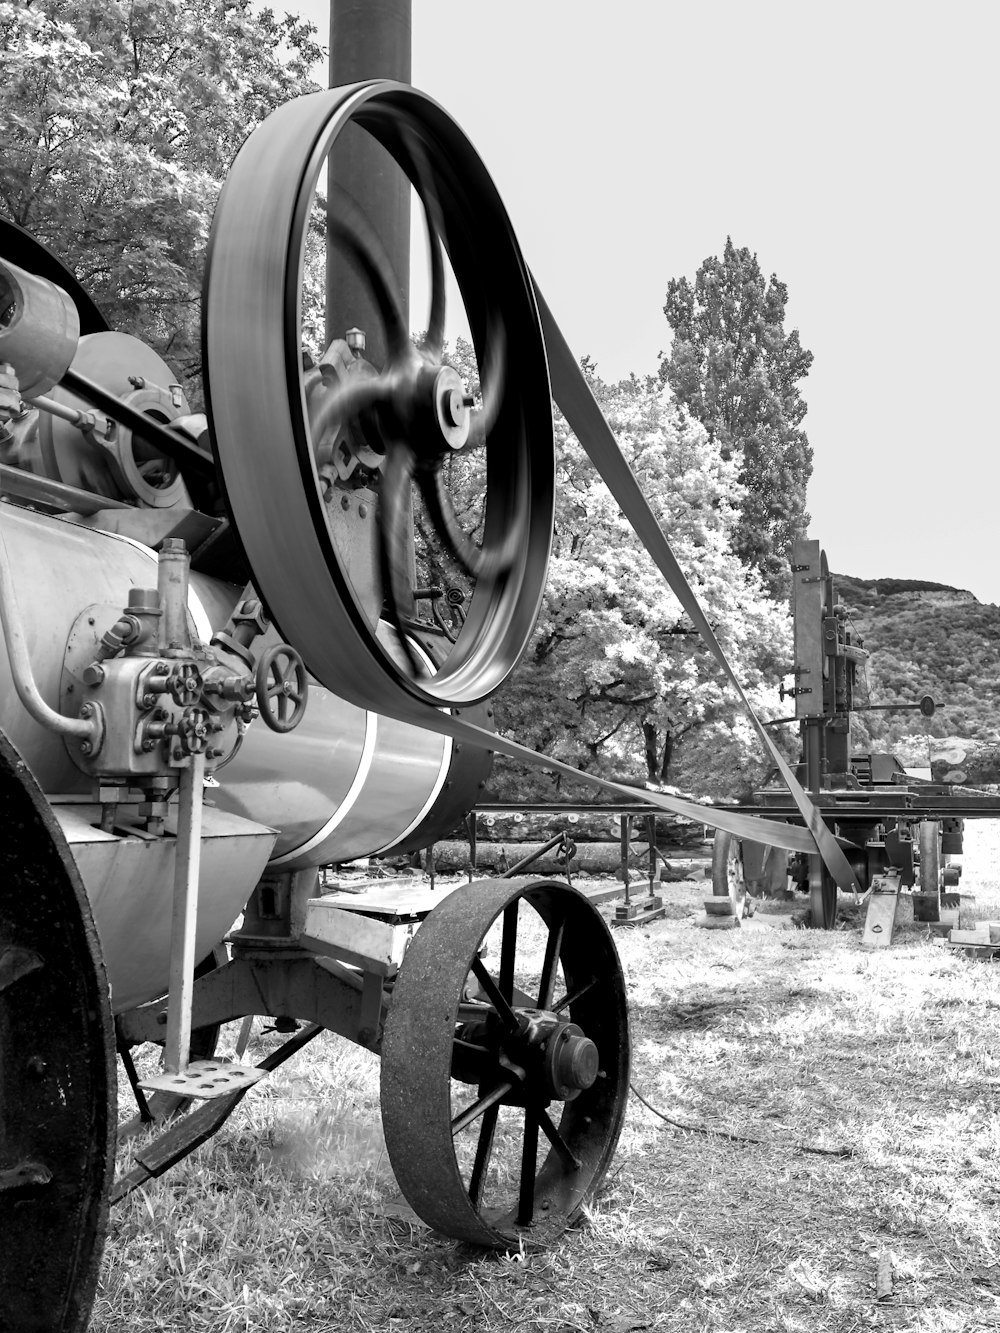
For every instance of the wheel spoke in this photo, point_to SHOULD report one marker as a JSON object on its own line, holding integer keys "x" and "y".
{"x": 492, "y": 383}
{"x": 484, "y": 1151}
{"x": 341, "y": 404}
{"x": 553, "y": 946}
{"x": 394, "y": 490}
{"x": 529, "y": 1155}
{"x": 477, "y": 562}
{"x": 508, "y": 949}
{"x": 550, "y": 1131}
{"x": 493, "y": 1098}
{"x": 500, "y": 1003}
{"x": 567, "y": 1000}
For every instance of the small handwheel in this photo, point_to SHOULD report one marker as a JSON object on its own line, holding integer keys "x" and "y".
{"x": 279, "y": 434}
{"x": 728, "y": 879}
{"x": 282, "y": 687}
{"x": 504, "y": 1082}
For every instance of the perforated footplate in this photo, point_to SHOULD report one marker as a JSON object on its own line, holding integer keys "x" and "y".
{"x": 206, "y": 1078}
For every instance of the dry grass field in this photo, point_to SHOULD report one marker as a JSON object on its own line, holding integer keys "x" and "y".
{"x": 829, "y": 1162}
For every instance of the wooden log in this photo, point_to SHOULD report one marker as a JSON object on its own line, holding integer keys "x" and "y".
{"x": 964, "y": 761}
{"x": 593, "y": 858}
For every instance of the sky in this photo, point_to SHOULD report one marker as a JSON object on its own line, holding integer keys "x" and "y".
{"x": 852, "y": 147}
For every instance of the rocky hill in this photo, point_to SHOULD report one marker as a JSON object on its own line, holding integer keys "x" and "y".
{"x": 927, "y": 638}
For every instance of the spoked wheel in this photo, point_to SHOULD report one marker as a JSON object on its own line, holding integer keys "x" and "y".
{"x": 728, "y": 878}
{"x": 505, "y": 1074}
{"x": 57, "y": 1074}
{"x": 301, "y": 452}
{"x": 822, "y": 895}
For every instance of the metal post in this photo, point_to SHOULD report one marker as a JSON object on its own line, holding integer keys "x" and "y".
{"x": 187, "y": 865}
{"x": 626, "y": 826}
{"x": 368, "y": 41}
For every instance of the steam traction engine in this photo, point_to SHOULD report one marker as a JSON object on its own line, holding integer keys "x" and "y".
{"x": 219, "y": 675}
{"x": 171, "y": 759}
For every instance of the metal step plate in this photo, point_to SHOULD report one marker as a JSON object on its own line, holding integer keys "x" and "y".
{"x": 205, "y": 1079}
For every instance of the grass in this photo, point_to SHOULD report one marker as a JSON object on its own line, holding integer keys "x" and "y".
{"x": 849, "y": 1099}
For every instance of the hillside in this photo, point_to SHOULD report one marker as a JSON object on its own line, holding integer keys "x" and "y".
{"x": 927, "y": 638}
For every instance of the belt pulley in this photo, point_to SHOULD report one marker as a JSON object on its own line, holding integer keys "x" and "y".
{"x": 261, "y": 427}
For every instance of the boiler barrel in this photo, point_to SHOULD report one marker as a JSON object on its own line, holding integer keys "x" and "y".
{"x": 344, "y": 784}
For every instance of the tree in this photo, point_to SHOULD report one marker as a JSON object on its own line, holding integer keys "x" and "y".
{"x": 616, "y": 681}
{"x": 121, "y": 118}
{"x": 733, "y": 367}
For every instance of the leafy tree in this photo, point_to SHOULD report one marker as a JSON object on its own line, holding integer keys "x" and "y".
{"x": 121, "y": 118}
{"x": 736, "y": 370}
{"x": 615, "y": 680}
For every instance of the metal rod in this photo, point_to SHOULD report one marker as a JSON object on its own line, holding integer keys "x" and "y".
{"x": 528, "y": 860}
{"x": 187, "y": 866}
{"x": 23, "y": 676}
{"x": 176, "y": 447}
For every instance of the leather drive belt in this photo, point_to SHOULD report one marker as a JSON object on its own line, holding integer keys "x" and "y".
{"x": 572, "y": 393}
{"x": 265, "y": 454}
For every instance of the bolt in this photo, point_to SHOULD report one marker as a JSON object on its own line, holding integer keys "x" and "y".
{"x": 345, "y": 502}
{"x": 148, "y": 700}
{"x": 85, "y": 747}
{"x": 87, "y": 710}
{"x": 161, "y": 1018}
{"x": 148, "y": 746}
{"x": 363, "y": 510}
{"x": 136, "y": 381}
{"x": 90, "y": 620}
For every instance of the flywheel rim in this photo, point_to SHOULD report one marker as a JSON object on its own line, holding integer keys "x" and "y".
{"x": 251, "y": 318}
{"x": 420, "y": 1047}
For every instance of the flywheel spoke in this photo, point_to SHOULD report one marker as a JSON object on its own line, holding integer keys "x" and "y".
{"x": 478, "y": 562}
{"x": 394, "y": 494}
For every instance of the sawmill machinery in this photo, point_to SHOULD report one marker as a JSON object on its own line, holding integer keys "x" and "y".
{"x": 889, "y": 822}
{"x": 221, "y": 674}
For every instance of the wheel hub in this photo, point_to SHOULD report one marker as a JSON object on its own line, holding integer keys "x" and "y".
{"x": 550, "y": 1058}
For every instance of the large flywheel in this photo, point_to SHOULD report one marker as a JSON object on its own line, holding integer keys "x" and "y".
{"x": 505, "y": 1062}
{"x": 302, "y": 445}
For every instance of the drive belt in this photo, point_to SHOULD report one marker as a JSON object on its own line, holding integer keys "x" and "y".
{"x": 573, "y": 395}
{"x": 255, "y": 401}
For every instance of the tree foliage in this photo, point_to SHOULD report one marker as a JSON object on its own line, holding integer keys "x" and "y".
{"x": 616, "y": 681}
{"x": 735, "y": 369}
{"x": 121, "y": 118}
{"x": 924, "y": 638}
